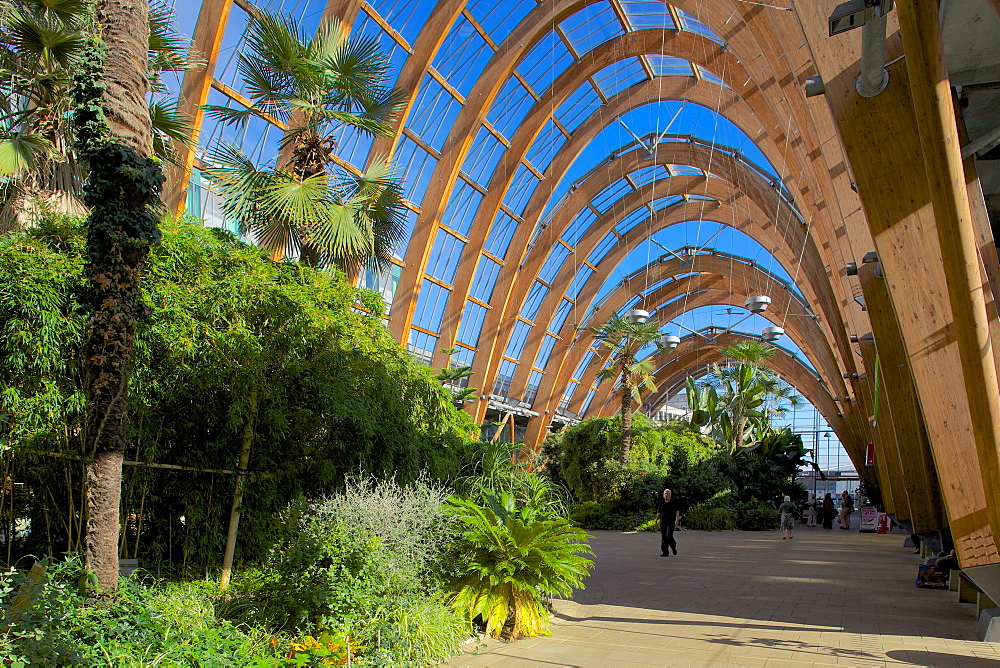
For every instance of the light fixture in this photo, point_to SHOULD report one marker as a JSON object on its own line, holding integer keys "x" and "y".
{"x": 814, "y": 86}
{"x": 757, "y": 304}
{"x": 670, "y": 341}
{"x": 852, "y": 268}
{"x": 861, "y": 300}
{"x": 772, "y": 333}
{"x": 637, "y": 316}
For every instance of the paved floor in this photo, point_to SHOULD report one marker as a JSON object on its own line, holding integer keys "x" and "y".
{"x": 752, "y": 599}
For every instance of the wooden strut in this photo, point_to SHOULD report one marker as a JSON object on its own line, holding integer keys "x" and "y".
{"x": 155, "y": 465}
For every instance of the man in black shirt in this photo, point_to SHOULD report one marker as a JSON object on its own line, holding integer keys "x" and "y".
{"x": 669, "y": 513}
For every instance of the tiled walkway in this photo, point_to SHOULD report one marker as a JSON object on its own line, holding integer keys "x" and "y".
{"x": 752, "y": 599}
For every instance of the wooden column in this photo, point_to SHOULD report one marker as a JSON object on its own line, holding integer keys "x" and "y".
{"x": 936, "y": 123}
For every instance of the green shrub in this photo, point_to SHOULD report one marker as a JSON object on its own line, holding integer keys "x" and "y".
{"x": 706, "y": 517}
{"x": 512, "y": 561}
{"x": 368, "y": 564}
{"x": 756, "y": 515}
{"x": 605, "y": 516}
{"x": 140, "y": 624}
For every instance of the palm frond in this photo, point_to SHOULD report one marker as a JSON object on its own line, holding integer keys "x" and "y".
{"x": 169, "y": 125}
{"x": 20, "y": 152}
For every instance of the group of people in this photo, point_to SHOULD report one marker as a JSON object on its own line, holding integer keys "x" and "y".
{"x": 668, "y": 512}
{"x": 825, "y": 512}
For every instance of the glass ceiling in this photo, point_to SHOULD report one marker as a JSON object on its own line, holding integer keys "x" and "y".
{"x": 483, "y": 32}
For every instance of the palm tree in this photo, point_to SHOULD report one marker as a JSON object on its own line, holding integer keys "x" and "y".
{"x": 41, "y": 46}
{"x": 625, "y": 338}
{"x": 316, "y": 87}
{"x": 747, "y": 396}
{"x": 114, "y": 137}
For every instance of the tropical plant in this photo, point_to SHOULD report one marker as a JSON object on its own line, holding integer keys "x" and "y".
{"x": 315, "y": 86}
{"x": 625, "y": 338}
{"x": 452, "y": 376}
{"x": 493, "y": 470}
{"x": 737, "y": 404}
{"x": 42, "y": 44}
{"x": 512, "y": 560}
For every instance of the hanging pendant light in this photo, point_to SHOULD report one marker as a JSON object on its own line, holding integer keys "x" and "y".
{"x": 757, "y": 304}
{"x": 670, "y": 341}
{"x": 637, "y": 316}
{"x": 772, "y": 333}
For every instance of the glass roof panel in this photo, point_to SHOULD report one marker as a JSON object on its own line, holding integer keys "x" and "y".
{"x": 463, "y": 56}
{"x": 434, "y": 112}
{"x": 405, "y": 16}
{"x": 521, "y": 187}
{"x": 647, "y": 14}
{"x": 553, "y": 262}
{"x": 486, "y": 278}
{"x": 684, "y": 170}
{"x": 616, "y": 77}
{"x": 602, "y": 248}
{"x": 430, "y": 306}
{"x": 534, "y": 301}
{"x": 591, "y": 26}
{"x": 510, "y": 107}
{"x": 578, "y": 226}
{"x": 483, "y": 157}
{"x": 668, "y": 66}
{"x": 546, "y": 145}
{"x": 632, "y": 220}
{"x": 646, "y": 175}
{"x": 708, "y": 75}
{"x": 690, "y": 23}
{"x": 462, "y": 207}
{"x": 582, "y": 274}
{"x": 443, "y": 261}
{"x": 559, "y": 319}
{"x": 544, "y": 351}
{"x": 500, "y": 235}
{"x": 604, "y": 199}
{"x": 416, "y": 166}
{"x": 661, "y": 203}
{"x": 498, "y": 19}
{"x": 547, "y": 60}
{"x": 582, "y": 103}
{"x": 472, "y": 323}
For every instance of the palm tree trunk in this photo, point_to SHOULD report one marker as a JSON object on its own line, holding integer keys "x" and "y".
{"x": 626, "y": 408}
{"x": 115, "y": 138}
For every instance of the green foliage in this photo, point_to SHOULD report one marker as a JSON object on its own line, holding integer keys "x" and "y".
{"x": 319, "y": 84}
{"x": 491, "y": 469}
{"x": 225, "y": 322}
{"x": 136, "y": 626}
{"x": 707, "y": 517}
{"x": 367, "y": 564}
{"x": 511, "y": 560}
{"x": 755, "y": 515}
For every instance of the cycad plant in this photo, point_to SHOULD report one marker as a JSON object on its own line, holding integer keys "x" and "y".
{"x": 625, "y": 339}
{"x": 316, "y": 87}
{"x": 512, "y": 561}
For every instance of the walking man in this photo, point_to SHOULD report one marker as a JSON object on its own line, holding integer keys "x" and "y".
{"x": 669, "y": 513}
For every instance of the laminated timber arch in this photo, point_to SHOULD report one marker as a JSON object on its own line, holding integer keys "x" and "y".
{"x": 494, "y": 73}
{"x": 714, "y": 280}
{"x": 693, "y": 357}
{"x": 718, "y": 285}
{"x": 723, "y": 214}
{"x": 786, "y": 237}
{"x": 926, "y": 213}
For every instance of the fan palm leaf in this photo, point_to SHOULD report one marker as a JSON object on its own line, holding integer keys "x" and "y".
{"x": 22, "y": 152}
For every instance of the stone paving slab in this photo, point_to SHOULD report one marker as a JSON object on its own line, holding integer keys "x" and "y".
{"x": 734, "y": 599}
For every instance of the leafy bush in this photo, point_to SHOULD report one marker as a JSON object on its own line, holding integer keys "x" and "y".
{"x": 756, "y": 515}
{"x": 512, "y": 560}
{"x": 706, "y": 517}
{"x": 139, "y": 624}
{"x": 366, "y": 564}
{"x": 604, "y": 515}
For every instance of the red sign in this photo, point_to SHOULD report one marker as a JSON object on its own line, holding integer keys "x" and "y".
{"x": 870, "y": 455}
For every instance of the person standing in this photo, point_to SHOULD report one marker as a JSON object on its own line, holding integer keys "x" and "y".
{"x": 846, "y": 508}
{"x": 829, "y": 512}
{"x": 787, "y": 510}
{"x": 811, "y": 511}
{"x": 669, "y": 513}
